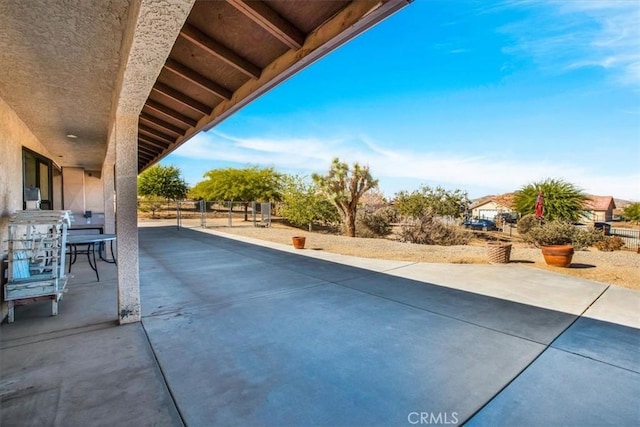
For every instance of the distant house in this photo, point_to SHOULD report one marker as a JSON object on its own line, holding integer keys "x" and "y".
{"x": 599, "y": 208}
{"x": 490, "y": 206}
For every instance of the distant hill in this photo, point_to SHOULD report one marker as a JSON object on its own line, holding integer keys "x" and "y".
{"x": 621, "y": 203}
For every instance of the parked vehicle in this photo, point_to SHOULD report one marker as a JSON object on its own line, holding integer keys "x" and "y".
{"x": 480, "y": 224}
{"x": 507, "y": 218}
{"x": 604, "y": 227}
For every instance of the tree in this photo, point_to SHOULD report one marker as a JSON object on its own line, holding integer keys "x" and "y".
{"x": 561, "y": 200}
{"x": 344, "y": 187}
{"x": 429, "y": 201}
{"x": 162, "y": 181}
{"x": 632, "y": 212}
{"x": 242, "y": 185}
{"x": 302, "y": 204}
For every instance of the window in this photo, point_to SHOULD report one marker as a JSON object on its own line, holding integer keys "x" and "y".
{"x": 38, "y": 172}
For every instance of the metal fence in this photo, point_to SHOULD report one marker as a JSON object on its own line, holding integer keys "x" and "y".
{"x": 630, "y": 237}
{"x": 200, "y": 213}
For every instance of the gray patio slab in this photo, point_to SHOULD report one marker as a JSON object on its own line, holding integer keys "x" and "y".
{"x": 249, "y": 334}
{"x": 85, "y": 377}
{"x": 85, "y": 303}
{"x": 565, "y": 389}
{"x": 525, "y": 321}
{"x": 617, "y": 305}
{"x": 329, "y": 355}
{"x": 617, "y": 345}
{"x": 511, "y": 282}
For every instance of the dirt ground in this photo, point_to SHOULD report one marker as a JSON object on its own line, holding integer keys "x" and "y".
{"x": 620, "y": 268}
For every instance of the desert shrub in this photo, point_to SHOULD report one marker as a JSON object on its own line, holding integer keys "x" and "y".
{"x": 610, "y": 244}
{"x": 557, "y": 232}
{"x": 550, "y": 233}
{"x": 586, "y": 237}
{"x": 376, "y": 224}
{"x": 428, "y": 230}
{"x": 526, "y": 223}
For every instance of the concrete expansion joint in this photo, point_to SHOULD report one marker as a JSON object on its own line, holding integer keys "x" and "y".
{"x": 593, "y": 359}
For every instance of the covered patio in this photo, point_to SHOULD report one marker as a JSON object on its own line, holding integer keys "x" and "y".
{"x": 94, "y": 92}
{"x": 238, "y": 332}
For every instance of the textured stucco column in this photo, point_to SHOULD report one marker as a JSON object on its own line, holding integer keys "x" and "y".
{"x": 126, "y": 147}
{"x": 153, "y": 28}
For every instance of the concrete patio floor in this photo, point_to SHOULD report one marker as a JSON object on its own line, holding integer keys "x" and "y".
{"x": 251, "y": 333}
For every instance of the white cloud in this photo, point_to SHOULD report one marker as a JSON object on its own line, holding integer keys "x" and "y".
{"x": 490, "y": 173}
{"x": 567, "y": 35}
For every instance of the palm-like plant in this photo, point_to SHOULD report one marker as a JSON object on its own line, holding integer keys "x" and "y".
{"x": 562, "y": 200}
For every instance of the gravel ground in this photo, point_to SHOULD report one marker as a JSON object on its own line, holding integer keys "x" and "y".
{"x": 621, "y": 268}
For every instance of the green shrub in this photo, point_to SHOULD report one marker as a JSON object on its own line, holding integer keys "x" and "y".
{"x": 610, "y": 244}
{"x": 427, "y": 230}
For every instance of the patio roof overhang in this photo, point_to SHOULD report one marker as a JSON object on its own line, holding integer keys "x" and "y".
{"x": 61, "y": 63}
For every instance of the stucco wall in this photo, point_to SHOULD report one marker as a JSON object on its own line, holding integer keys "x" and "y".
{"x": 14, "y": 135}
{"x": 488, "y": 210}
{"x": 93, "y": 192}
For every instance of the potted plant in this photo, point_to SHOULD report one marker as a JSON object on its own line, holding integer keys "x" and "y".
{"x": 298, "y": 242}
{"x": 556, "y": 239}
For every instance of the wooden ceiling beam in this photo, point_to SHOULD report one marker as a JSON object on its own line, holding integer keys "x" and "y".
{"x": 197, "y": 78}
{"x": 146, "y": 117}
{"x": 197, "y": 37}
{"x": 183, "y": 99}
{"x": 147, "y": 150}
{"x": 269, "y": 19}
{"x": 155, "y": 133}
{"x": 151, "y": 143}
{"x": 171, "y": 113}
{"x": 146, "y": 157}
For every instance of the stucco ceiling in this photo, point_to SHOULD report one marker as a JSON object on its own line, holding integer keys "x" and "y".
{"x": 60, "y": 63}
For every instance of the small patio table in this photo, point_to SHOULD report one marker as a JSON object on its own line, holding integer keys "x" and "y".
{"x": 90, "y": 241}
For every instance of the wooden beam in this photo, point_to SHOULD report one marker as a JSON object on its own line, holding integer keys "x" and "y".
{"x": 183, "y": 99}
{"x": 155, "y": 133}
{"x": 152, "y": 142}
{"x": 197, "y": 37}
{"x": 146, "y": 157}
{"x": 269, "y": 19}
{"x": 356, "y": 17}
{"x": 146, "y": 117}
{"x": 198, "y": 79}
{"x": 171, "y": 113}
{"x": 146, "y": 150}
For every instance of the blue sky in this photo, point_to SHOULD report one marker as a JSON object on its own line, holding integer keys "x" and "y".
{"x": 474, "y": 95}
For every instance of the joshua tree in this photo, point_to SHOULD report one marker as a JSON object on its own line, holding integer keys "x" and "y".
{"x": 344, "y": 187}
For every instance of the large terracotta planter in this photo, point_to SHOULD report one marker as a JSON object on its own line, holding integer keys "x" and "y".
{"x": 298, "y": 242}
{"x": 558, "y": 255}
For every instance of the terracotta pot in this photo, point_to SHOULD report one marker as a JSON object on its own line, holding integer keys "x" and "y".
{"x": 558, "y": 255}
{"x": 298, "y": 242}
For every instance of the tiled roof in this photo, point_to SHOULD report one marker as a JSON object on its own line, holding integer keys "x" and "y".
{"x": 505, "y": 200}
{"x": 599, "y": 203}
